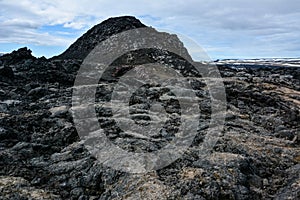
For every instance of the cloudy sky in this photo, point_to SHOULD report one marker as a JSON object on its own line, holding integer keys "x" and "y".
{"x": 223, "y": 28}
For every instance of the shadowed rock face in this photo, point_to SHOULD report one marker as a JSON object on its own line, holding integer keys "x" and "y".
{"x": 41, "y": 157}
{"x": 88, "y": 41}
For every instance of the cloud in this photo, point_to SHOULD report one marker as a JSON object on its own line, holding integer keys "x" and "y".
{"x": 26, "y": 33}
{"x": 236, "y": 28}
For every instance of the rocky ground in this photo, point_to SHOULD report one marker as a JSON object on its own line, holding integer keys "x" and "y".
{"x": 257, "y": 155}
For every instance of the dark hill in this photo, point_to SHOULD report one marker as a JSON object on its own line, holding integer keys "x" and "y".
{"x": 87, "y": 42}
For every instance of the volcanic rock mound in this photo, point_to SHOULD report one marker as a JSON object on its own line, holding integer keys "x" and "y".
{"x": 88, "y": 41}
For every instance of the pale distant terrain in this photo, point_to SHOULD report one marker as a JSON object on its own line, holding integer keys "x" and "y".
{"x": 276, "y": 62}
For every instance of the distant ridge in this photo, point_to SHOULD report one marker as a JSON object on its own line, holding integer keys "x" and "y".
{"x": 88, "y": 41}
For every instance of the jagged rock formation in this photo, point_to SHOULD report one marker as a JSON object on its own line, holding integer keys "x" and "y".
{"x": 41, "y": 157}
{"x": 16, "y": 56}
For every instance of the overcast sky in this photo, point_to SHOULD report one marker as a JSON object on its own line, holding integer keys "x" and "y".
{"x": 223, "y": 28}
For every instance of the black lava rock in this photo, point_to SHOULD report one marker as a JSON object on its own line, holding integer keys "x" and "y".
{"x": 88, "y": 41}
{"x": 257, "y": 155}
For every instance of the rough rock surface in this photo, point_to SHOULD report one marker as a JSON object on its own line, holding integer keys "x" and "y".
{"x": 87, "y": 42}
{"x": 41, "y": 156}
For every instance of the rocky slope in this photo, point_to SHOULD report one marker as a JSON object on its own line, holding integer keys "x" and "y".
{"x": 257, "y": 155}
{"x": 82, "y": 47}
